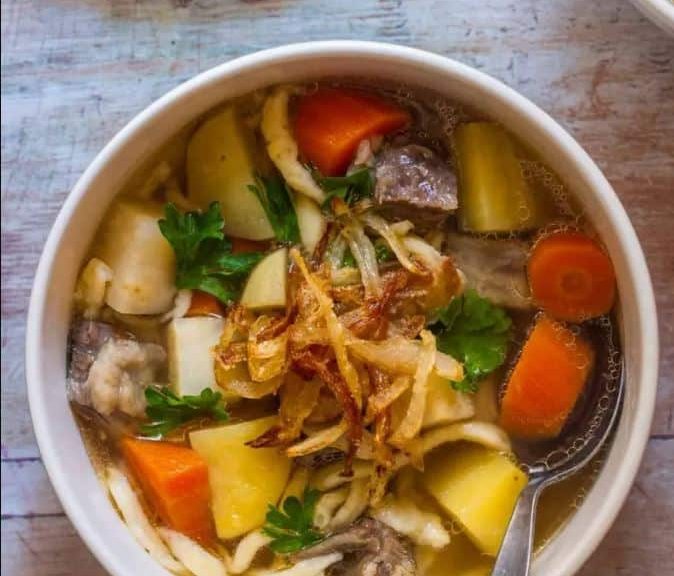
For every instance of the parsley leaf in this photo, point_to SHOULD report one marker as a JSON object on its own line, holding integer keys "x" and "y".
{"x": 352, "y": 188}
{"x": 475, "y": 332}
{"x": 204, "y": 260}
{"x": 167, "y": 411}
{"x": 292, "y": 528}
{"x": 274, "y": 196}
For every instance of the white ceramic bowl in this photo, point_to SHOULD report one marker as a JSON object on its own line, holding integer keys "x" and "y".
{"x": 62, "y": 450}
{"x": 660, "y": 12}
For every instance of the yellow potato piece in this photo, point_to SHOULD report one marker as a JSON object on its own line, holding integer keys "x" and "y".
{"x": 478, "y": 487}
{"x": 267, "y": 284}
{"x": 221, "y": 166}
{"x": 458, "y": 558}
{"x": 243, "y": 480}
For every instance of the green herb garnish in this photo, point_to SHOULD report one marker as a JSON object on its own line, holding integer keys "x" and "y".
{"x": 475, "y": 332}
{"x": 292, "y": 529}
{"x": 352, "y": 188}
{"x": 275, "y": 198}
{"x": 167, "y": 411}
{"x": 382, "y": 252}
{"x": 204, "y": 259}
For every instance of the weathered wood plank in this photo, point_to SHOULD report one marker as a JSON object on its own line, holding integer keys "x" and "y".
{"x": 26, "y": 490}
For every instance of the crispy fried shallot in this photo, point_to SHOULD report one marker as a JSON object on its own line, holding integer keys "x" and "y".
{"x": 411, "y": 423}
{"x": 298, "y": 399}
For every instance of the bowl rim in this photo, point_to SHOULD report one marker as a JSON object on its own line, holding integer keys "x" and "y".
{"x": 660, "y": 12}
{"x": 600, "y": 523}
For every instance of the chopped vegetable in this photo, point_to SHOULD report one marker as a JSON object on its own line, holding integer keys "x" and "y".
{"x": 311, "y": 221}
{"x": 190, "y": 360}
{"x": 493, "y": 194}
{"x": 140, "y": 259}
{"x": 275, "y": 199}
{"x": 267, "y": 284}
{"x": 221, "y": 165}
{"x": 475, "y": 332}
{"x": 204, "y": 304}
{"x": 478, "y": 487}
{"x": 174, "y": 480}
{"x": 547, "y": 380}
{"x": 571, "y": 277}
{"x": 167, "y": 411}
{"x": 351, "y": 188}
{"x": 330, "y": 124}
{"x": 243, "y": 479}
{"x": 139, "y": 524}
{"x": 291, "y": 528}
{"x": 203, "y": 253}
{"x": 281, "y": 145}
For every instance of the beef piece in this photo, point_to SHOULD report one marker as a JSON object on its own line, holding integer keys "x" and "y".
{"x": 109, "y": 370}
{"x": 370, "y": 548}
{"x": 413, "y": 183}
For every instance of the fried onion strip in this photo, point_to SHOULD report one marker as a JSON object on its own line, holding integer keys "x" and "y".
{"x": 411, "y": 423}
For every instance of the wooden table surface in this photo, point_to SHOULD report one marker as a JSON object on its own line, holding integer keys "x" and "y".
{"x": 75, "y": 71}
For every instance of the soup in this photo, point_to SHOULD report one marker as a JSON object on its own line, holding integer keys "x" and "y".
{"x": 325, "y": 329}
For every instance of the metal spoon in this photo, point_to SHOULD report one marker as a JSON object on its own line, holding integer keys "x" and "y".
{"x": 514, "y": 557}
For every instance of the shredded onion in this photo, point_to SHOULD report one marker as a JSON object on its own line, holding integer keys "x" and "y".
{"x": 384, "y": 398}
{"x": 355, "y": 504}
{"x": 400, "y": 355}
{"x": 298, "y": 399}
{"x": 197, "y": 559}
{"x": 246, "y": 550}
{"x": 327, "y": 505}
{"x": 235, "y": 380}
{"x": 363, "y": 252}
{"x": 139, "y": 525}
{"x": 310, "y": 567}
{"x": 266, "y": 358}
{"x": 335, "y": 329}
{"x": 318, "y": 441}
{"x": 282, "y": 147}
{"x": 404, "y": 516}
{"x": 330, "y": 476}
{"x": 379, "y": 225}
{"x": 411, "y": 423}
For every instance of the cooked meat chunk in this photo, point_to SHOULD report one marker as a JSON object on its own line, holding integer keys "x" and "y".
{"x": 109, "y": 371}
{"x": 413, "y": 183}
{"x": 370, "y": 548}
{"x": 495, "y": 268}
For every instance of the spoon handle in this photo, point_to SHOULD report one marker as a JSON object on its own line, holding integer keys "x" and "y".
{"x": 514, "y": 557}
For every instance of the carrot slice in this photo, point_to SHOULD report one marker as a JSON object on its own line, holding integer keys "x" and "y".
{"x": 174, "y": 480}
{"x": 571, "y": 277}
{"x": 331, "y": 123}
{"x": 204, "y": 304}
{"x": 546, "y": 382}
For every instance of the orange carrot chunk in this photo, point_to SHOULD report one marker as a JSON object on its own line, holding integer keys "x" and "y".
{"x": 547, "y": 380}
{"x": 571, "y": 277}
{"x": 174, "y": 480}
{"x": 204, "y": 304}
{"x": 331, "y": 123}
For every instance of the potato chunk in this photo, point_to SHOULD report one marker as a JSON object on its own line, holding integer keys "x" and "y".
{"x": 478, "y": 487}
{"x": 141, "y": 259}
{"x": 267, "y": 283}
{"x": 221, "y": 166}
{"x": 243, "y": 480}
{"x": 189, "y": 342}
